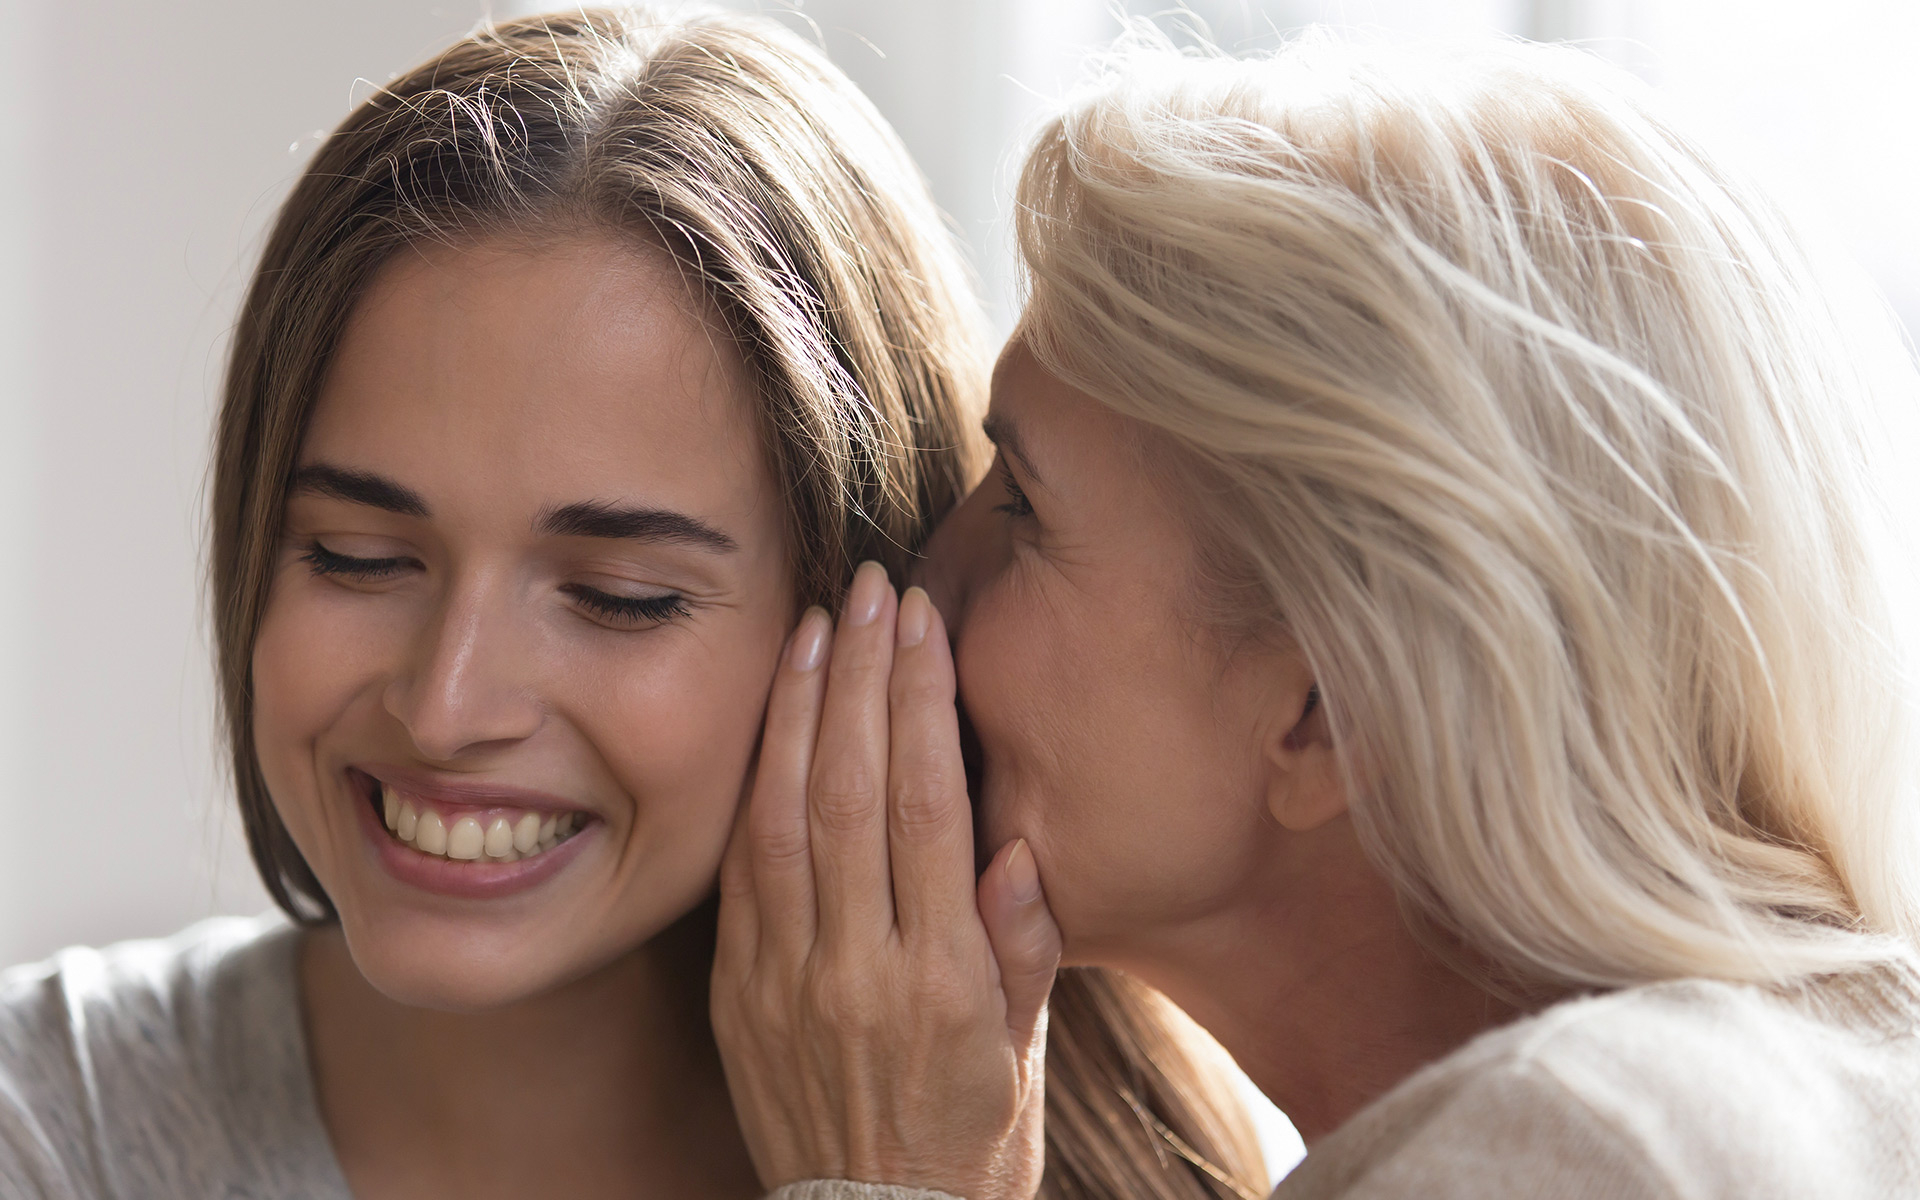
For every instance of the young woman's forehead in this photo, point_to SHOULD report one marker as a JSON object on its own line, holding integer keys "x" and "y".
{"x": 571, "y": 368}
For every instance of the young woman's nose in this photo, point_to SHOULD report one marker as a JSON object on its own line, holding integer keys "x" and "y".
{"x": 467, "y": 685}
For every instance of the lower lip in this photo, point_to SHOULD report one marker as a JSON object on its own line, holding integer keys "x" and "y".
{"x": 467, "y": 880}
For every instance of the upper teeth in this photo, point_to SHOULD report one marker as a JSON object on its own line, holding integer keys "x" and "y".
{"x": 502, "y": 839}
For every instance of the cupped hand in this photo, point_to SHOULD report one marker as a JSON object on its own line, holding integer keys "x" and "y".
{"x": 881, "y": 1016}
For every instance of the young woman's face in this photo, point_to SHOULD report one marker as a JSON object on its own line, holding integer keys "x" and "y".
{"x": 524, "y": 616}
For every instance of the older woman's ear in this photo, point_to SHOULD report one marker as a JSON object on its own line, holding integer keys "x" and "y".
{"x": 1304, "y": 788}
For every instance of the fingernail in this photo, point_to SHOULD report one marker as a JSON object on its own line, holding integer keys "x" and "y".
{"x": 1023, "y": 876}
{"x": 915, "y": 613}
{"x": 810, "y": 640}
{"x": 868, "y": 593}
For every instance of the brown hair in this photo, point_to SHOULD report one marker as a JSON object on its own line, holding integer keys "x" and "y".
{"x": 787, "y": 201}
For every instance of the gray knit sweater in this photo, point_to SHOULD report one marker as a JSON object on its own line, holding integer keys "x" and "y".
{"x": 178, "y": 1069}
{"x": 1689, "y": 1090}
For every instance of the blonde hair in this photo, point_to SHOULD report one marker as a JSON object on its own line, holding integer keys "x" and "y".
{"x": 1539, "y": 436}
{"x": 790, "y": 206}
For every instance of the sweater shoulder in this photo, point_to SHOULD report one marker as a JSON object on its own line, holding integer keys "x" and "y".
{"x": 156, "y": 1008}
{"x": 1686, "y": 1088}
{"x": 151, "y": 1067}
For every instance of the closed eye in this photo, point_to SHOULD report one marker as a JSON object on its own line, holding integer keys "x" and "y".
{"x": 1017, "y": 504}
{"x": 323, "y": 561}
{"x": 628, "y": 612}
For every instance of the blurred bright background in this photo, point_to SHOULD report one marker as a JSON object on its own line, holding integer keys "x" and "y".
{"x": 145, "y": 143}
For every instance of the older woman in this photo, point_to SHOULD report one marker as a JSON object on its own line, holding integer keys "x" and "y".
{"x": 1425, "y": 617}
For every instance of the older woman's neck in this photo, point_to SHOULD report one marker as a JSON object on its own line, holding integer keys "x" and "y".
{"x": 1323, "y": 995}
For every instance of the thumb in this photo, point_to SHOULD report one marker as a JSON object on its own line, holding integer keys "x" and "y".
{"x": 1025, "y": 940}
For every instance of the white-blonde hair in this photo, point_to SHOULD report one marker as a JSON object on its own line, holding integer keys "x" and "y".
{"x": 1540, "y": 437}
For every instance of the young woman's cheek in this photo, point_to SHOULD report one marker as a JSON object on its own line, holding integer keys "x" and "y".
{"x": 321, "y": 654}
{"x": 676, "y": 723}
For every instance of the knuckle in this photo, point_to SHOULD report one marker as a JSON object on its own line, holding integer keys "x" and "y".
{"x": 844, "y": 797}
{"x": 923, "y": 809}
{"x": 776, "y": 843}
{"x": 846, "y": 1002}
{"x": 917, "y": 689}
{"x": 869, "y": 656}
{"x": 864, "y": 672}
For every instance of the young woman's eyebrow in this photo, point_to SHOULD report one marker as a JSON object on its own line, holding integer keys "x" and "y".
{"x": 359, "y": 487}
{"x": 602, "y": 519}
{"x": 1006, "y": 436}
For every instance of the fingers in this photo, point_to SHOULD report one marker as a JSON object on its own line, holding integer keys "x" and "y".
{"x": 847, "y": 807}
{"x": 778, "y": 841}
{"x": 1025, "y": 940}
{"x": 930, "y": 821}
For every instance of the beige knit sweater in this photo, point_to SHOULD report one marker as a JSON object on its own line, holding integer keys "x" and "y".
{"x": 1690, "y": 1089}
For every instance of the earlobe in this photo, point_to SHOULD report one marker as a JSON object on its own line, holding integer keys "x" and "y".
{"x": 1304, "y": 787}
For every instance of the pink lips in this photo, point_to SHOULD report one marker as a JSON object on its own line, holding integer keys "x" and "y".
{"x": 453, "y": 794}
{"x": 476, "y": 879}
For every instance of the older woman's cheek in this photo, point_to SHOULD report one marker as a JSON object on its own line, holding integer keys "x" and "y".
{"x": 1004, "y": 698}
{"x": 966, "y": 552}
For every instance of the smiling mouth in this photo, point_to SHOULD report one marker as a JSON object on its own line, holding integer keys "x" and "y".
{"x": 495, "y": 835}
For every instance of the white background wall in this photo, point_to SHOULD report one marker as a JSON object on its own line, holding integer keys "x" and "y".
{"x": 144, "y": 143}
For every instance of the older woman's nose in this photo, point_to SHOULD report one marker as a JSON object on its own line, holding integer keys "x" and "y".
{"x": 957, "y": 553}
{"x": 466, "y": 687}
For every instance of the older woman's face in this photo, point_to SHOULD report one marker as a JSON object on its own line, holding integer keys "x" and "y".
{"x": 1123, "y": 741}
{"x": 530, "y": 593}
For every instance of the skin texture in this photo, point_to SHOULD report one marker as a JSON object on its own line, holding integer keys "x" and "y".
{"x": 551, "y": 1041}
{"x": 1178, "y": 791}
{"x": 1181, "y": 795}
{"x": 869, "y": 1030}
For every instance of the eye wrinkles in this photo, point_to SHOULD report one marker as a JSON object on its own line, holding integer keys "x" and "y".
{"x": 1005, "y": 435}
{"x": 1017, "y": 504}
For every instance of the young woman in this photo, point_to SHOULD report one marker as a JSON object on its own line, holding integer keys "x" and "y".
{"x": 580, "y": 360}
{"x": 1429, "y": 617}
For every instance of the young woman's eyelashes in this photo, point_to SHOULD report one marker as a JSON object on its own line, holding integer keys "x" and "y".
{"x": 1017, "y": 504}
{"x": 603, "y": 607}
{"x": 323, "y": 561}
{"x": 628, "y": 612}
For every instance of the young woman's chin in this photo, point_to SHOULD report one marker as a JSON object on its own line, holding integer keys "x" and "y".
{"x": 487, "y": 957}
{"x": 470, "y": 935}
{"x": 454, "y": 966}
